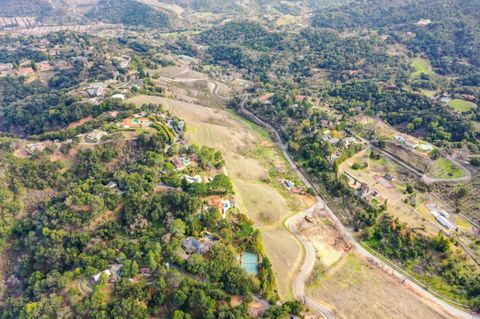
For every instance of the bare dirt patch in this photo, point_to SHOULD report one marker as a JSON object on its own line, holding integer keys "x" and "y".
{"x": 355, "y": 289}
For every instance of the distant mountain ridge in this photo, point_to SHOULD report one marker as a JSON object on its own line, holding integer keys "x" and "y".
{"x": 15, "y": 8}
{"x": 128, "y": 12}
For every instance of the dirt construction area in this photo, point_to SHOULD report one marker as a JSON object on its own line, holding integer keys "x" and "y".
{"x": 258, "y": 193}
{"x": 346, "y": 283}
{"x": 354, "y": 287}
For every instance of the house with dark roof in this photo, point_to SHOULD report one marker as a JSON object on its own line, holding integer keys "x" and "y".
{"x": 193, "y": 246}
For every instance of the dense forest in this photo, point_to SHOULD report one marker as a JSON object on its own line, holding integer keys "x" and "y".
{"x": 69, "y": 238}
{"x": 450, "y": 37}
{"x": 128, "y": 12}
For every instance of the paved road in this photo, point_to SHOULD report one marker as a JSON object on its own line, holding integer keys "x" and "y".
{"x": 347, "y": 235}
{"x": 306, "y": 269}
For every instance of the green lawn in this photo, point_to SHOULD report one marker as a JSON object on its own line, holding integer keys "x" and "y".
{"x": 287, "y": 20}
{"x": 429, "y": 93}
{"x": 444, "y": 168}
{"x": 462, "y": 105}
{"x": 421, "y": 66}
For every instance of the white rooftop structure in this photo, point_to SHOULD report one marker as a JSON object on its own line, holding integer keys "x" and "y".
{"x": 425, "y": 147}
{"x": 193, "y": 179}
{"x": 118, "y": 97}
{"x": 424, "y": 22}
{"x": 445, "y": 222}
{"x": 95, "y": 135}
{"x": 96, "y": 277}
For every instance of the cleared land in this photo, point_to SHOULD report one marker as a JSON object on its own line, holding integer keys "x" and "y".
{"x": 444, "y": 168}
{"x": 356, "y": 289}
{"x": 287, "y": 19}
{"x": 408, "y": 208}
{"x": 353, "y": 287}
{"x": 462, "y": 105}
{"x": 259, "y": 194}
{"x": 421, "y": 66}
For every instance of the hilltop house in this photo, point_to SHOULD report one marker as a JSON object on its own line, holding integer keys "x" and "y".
{"x": 442, "y": 217}
{"x": 331, "y": 140}
{"x": 96, "y": 91}
{"x": 469, "y": 97}
{"x": 95, "y": 136}
{"x": 299, "y": 98}
{"x": 194, "y": 246}
{"x": 113, "y": 273}
{"x": 223, "y": 205}
{"x": 136, "y": 122}
{"x": 365, "y": 192}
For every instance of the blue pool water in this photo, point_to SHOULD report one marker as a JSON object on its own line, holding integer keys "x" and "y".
{"x": 250, "y": 263}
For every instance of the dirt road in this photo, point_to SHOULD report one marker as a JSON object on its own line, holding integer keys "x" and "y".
{"x": 347, "y": 235}
{"x": 307, "y": 267}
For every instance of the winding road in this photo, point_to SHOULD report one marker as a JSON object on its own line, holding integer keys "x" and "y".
{"x": 306, "y": 269}
{"x": 310, "y": 256}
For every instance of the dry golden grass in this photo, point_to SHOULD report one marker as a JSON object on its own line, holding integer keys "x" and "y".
{"x": 286, "y": 254}
{"x": 395, "y": 196}
{"x": 355, "y": 289}
{"x": 248, "y": 154}
{"x": 262, "y": 202}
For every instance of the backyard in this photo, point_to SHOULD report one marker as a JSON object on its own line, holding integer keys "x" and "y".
{"x": 250, "y": 157}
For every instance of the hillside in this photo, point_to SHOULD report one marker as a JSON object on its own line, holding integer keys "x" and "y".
{"x": 14, "y": 8}
{"x": 444, "y": 30}
{"x": 129, "y": 12}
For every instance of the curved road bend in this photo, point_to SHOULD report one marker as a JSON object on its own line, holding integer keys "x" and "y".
{"x": 306, "y": 269}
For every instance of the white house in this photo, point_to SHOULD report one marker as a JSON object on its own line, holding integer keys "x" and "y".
{"x": 425, "y": 147}
{"x": 95, "y": 136}
{"x": 193, "y": 179}
{"x": 96, "y": 277}
{"x": 118, "y": 97}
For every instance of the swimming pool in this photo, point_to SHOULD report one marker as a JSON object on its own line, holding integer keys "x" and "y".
{"x": 249, "y": 262}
